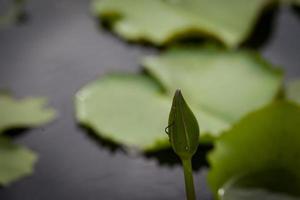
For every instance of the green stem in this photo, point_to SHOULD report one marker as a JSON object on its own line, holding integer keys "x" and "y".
{"x": 189, "y": 181}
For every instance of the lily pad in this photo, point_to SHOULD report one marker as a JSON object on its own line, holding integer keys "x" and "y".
{"x": 127, "y": 109}
{"x": 131, "y": 110}
{"x": 260, "y": 154}
{"x": 29, "y": 112}
{"x": 225, "y": 85}
{"x": 160, "y": 21}
{"x": 220, "y": 86}
{"x": 293, "y": 91}
{"x": 264, "y": 185}
{"x": 15, "y": 161}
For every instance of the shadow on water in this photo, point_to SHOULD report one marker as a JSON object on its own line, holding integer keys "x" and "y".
{"x": 165, "y": 157}
{"x": 105, "y": 26}
{"x": 263, "y": 28}
{"x": 14, "y": 133}
{"x": 296, "y": 10}
{"x": 102, "y": 142}
{"x": 168, "y": 157}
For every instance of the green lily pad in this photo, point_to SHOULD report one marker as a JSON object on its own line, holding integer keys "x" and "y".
{"x": 293, "y": 91}
{"x": 126, "y": 109}
{"x": 15, "y": 161}
{"x": 131, "y": 110}
{"x": 264, "y": 185}
{"x": 160, "y": 21}
{"x": 220, "y": 87}
{"x": 225, "y": 85}
{"x": 260, "y": 156}
{"x": 29, "y": 112}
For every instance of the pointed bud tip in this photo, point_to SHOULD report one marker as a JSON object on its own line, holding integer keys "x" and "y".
{"x": 178, "y": 93}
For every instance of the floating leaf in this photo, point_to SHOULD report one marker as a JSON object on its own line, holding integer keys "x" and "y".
{"x": 293, "y": 91}
{"x": 260, "y": 154}
{"x": 160, "y": 21}
{"x": 126, "y": 109}
{"x": 220, "y": 87}
{"x": 15, "y": 161}
{"x": 224, "y": 85}
{"x": 131, "y": 110}
{"x": 29, "y": 112}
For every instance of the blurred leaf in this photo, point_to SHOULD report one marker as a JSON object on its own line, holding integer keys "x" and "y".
{"x": 15, "y": 161}
{"x": 221, "y": 85}
{"x": 260, "y": 156}
{"x": 29, "y": 112}
{"x": 126, "y": 109}
{"x": 264, "y": 185}
{"x": 160, "y": 21}
{"x": 293, "y": 91}
{"x": 290, "y": 2}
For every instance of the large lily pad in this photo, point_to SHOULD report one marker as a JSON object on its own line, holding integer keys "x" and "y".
{"x": 219, "y": 86}
{"x": 160, "y": 21}
{"x": 126, "y": 109}
{"x": 15, "y": 161}
{"x": 259, "y": 158}
{"x": 131, "y": 110}
{"x": 29, "y": 112}
{"x": 223, "y": 84}
{"x": 293, "y": 91}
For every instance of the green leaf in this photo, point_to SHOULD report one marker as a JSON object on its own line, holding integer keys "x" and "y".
{"x": 221, "y": 86}
{"x": 126, "y": 109}
{"x": 160, "y": 21}
{"x": 268, "y": 184}
{"x": 132, "y": 110}
{"x": 29, "y": 112}
{"x": 293, "y": 91}
{"x": 260, "y": 154}
{"x": 183, "y": 129}
{"x": 15, "y": 161}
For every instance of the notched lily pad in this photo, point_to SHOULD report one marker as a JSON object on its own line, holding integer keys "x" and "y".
{"x": 220, "y": 87}
{"x": 160, "y": 21}
{"x": 126, "y": 109}
{"x": 15, "y": 161}
{"x": 259, "y": 158}
{"x": 29, "y": 112}
{"x": 224, "y": 85}
{"x": 131, "y": 110}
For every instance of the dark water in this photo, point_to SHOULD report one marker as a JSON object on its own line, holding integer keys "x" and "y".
{"x": 57, "y": 50}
